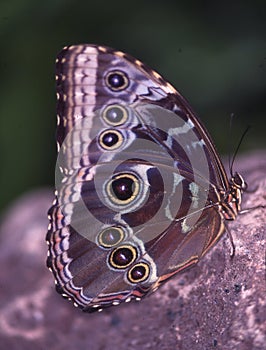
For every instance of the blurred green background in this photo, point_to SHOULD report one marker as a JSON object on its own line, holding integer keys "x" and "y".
{"x": 213, "y": 52}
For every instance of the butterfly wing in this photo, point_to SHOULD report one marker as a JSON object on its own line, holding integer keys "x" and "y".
{"x": 137, "y": 178}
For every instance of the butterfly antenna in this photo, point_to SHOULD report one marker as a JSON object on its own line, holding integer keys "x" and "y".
{"x": 229, "y": 144}
{"x": 237, "y": 148}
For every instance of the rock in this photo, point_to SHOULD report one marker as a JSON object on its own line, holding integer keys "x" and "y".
{"x": 219, "y": 304}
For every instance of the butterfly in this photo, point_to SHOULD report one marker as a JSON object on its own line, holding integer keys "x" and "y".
{"x": 141, "y": 192}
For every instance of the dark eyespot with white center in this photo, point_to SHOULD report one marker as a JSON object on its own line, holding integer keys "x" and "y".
{"x": 123, "y": 188}
{"x": 138, "y": 273}
{"x": 116, "y": 80}
{"x": 122, "y": 257}
{"x": 110, "y": 139}
{"x": 110, "y": 237}
{"x": 115, "y": 115}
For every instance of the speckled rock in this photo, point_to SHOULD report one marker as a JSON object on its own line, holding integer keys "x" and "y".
{"x": 219, "y": 304}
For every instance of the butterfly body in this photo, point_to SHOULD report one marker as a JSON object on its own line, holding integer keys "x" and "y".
{"x": 141, "y": 192}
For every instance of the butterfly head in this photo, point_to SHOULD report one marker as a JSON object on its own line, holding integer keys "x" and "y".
{"x": 232, "y": 202}
{"x": 238, "y": 182}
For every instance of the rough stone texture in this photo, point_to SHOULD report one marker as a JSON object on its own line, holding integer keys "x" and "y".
{"x": 220, "y": 304}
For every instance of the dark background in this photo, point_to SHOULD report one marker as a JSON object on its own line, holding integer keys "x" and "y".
{"x": 213, "y": 52}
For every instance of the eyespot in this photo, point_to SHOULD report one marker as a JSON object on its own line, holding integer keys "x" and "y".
{"x": 138, "y": 273}
{"x": 115, "y": 115}
{"x": 123, "y": 256}
{"x": 110, "y": 237}
{"x": 110, "y": 139}
{"x": 117, "y": 80}
{"x": 123, "y": 188}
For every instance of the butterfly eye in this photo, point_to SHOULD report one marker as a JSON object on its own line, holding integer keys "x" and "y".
{"x": 110, "y": 139}
{"x": 138, "y": 273}
{"x": 115, "y": 115}
{"x": 123, "y": 256}
{"x": 110, "y": 237}
{"x": 238, "y": 181}
{"x": 117, "y": 80}
{"x": 123, "y": 189}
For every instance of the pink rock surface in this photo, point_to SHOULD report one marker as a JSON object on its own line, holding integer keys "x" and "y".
{"x": 219, "y": 304}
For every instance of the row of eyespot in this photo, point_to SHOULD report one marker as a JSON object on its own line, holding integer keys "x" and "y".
{"x": 124, "y": 187}
{"x": 111, "y": 139}
{"x": 123, "y": 256}
{"x": 115, "y": 114}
